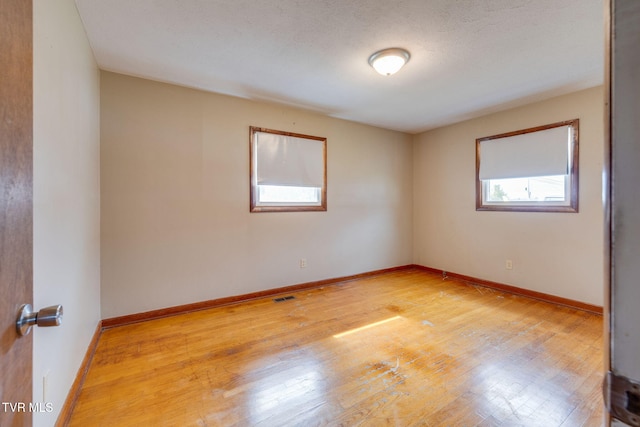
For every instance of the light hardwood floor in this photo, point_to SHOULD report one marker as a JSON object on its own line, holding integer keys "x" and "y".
{"x": 402, "y": 349}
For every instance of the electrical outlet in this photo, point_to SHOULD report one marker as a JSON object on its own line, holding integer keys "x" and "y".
{"x": 508, "y": 265}
{"x": 303, "y": 263}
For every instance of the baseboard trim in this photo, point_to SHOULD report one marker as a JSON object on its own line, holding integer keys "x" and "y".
{"x": 553, "y": 299}
{"x": 219, "y": 302}
{"x": 236, "y": 299}
{"x": 70, "y": 402}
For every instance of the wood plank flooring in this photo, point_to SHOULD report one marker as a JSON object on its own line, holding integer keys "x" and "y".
{"x": 400, "y": 349}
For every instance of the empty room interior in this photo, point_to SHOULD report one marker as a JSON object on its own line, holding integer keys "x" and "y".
{"x": 412, "y": 287}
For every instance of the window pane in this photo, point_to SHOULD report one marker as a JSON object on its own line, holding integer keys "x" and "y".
{"x": 288, "y": 194}
{"x": 535, "y": 189}
{"x": 288, "y": 171}
{"x": 529, "y": 170}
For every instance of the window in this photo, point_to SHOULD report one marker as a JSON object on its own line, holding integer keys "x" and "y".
{"x": 531, "y": 170}
{"x": 288, "y": 171}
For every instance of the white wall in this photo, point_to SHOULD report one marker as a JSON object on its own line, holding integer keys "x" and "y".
{"x": 176, "y": 226}
{"x": 66, "y": 198}
{"x": 555, "y": 253}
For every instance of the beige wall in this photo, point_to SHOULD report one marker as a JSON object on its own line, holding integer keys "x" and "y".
{"x": 66, "y": 160}
{"x": 176, "y": 226}
{"x": 554, "y": 253}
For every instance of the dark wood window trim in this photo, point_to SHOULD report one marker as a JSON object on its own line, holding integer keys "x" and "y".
{"x": 534, "y": 206}
{"x": 254, "y": 202}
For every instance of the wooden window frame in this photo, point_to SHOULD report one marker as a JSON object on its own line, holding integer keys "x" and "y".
{"x": 255, "y": 206}
{"x": 573, "y": 174}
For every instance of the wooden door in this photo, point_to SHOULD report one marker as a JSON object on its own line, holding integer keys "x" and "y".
{"x": 623, "y": 315}
{"x": 16, "y": 216}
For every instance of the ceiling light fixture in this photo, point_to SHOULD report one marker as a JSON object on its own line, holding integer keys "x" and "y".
{"x": 389, "y": 61}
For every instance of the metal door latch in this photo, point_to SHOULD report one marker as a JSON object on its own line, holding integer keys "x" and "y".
{"x": 48, "y": 316}
{"x": 622, "y": 398}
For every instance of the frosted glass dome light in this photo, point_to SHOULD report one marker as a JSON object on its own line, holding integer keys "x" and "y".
{"x": 389, "y": 61}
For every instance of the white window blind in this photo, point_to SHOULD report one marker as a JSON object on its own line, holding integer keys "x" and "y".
{"x": 288, "y": 161}
{"x": 540, "y": 153}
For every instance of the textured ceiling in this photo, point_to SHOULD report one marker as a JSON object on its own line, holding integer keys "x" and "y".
{"x": 468, "y": 57}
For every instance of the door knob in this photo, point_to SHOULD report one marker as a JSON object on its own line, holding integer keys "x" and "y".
{"x": 48, "y": 316}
